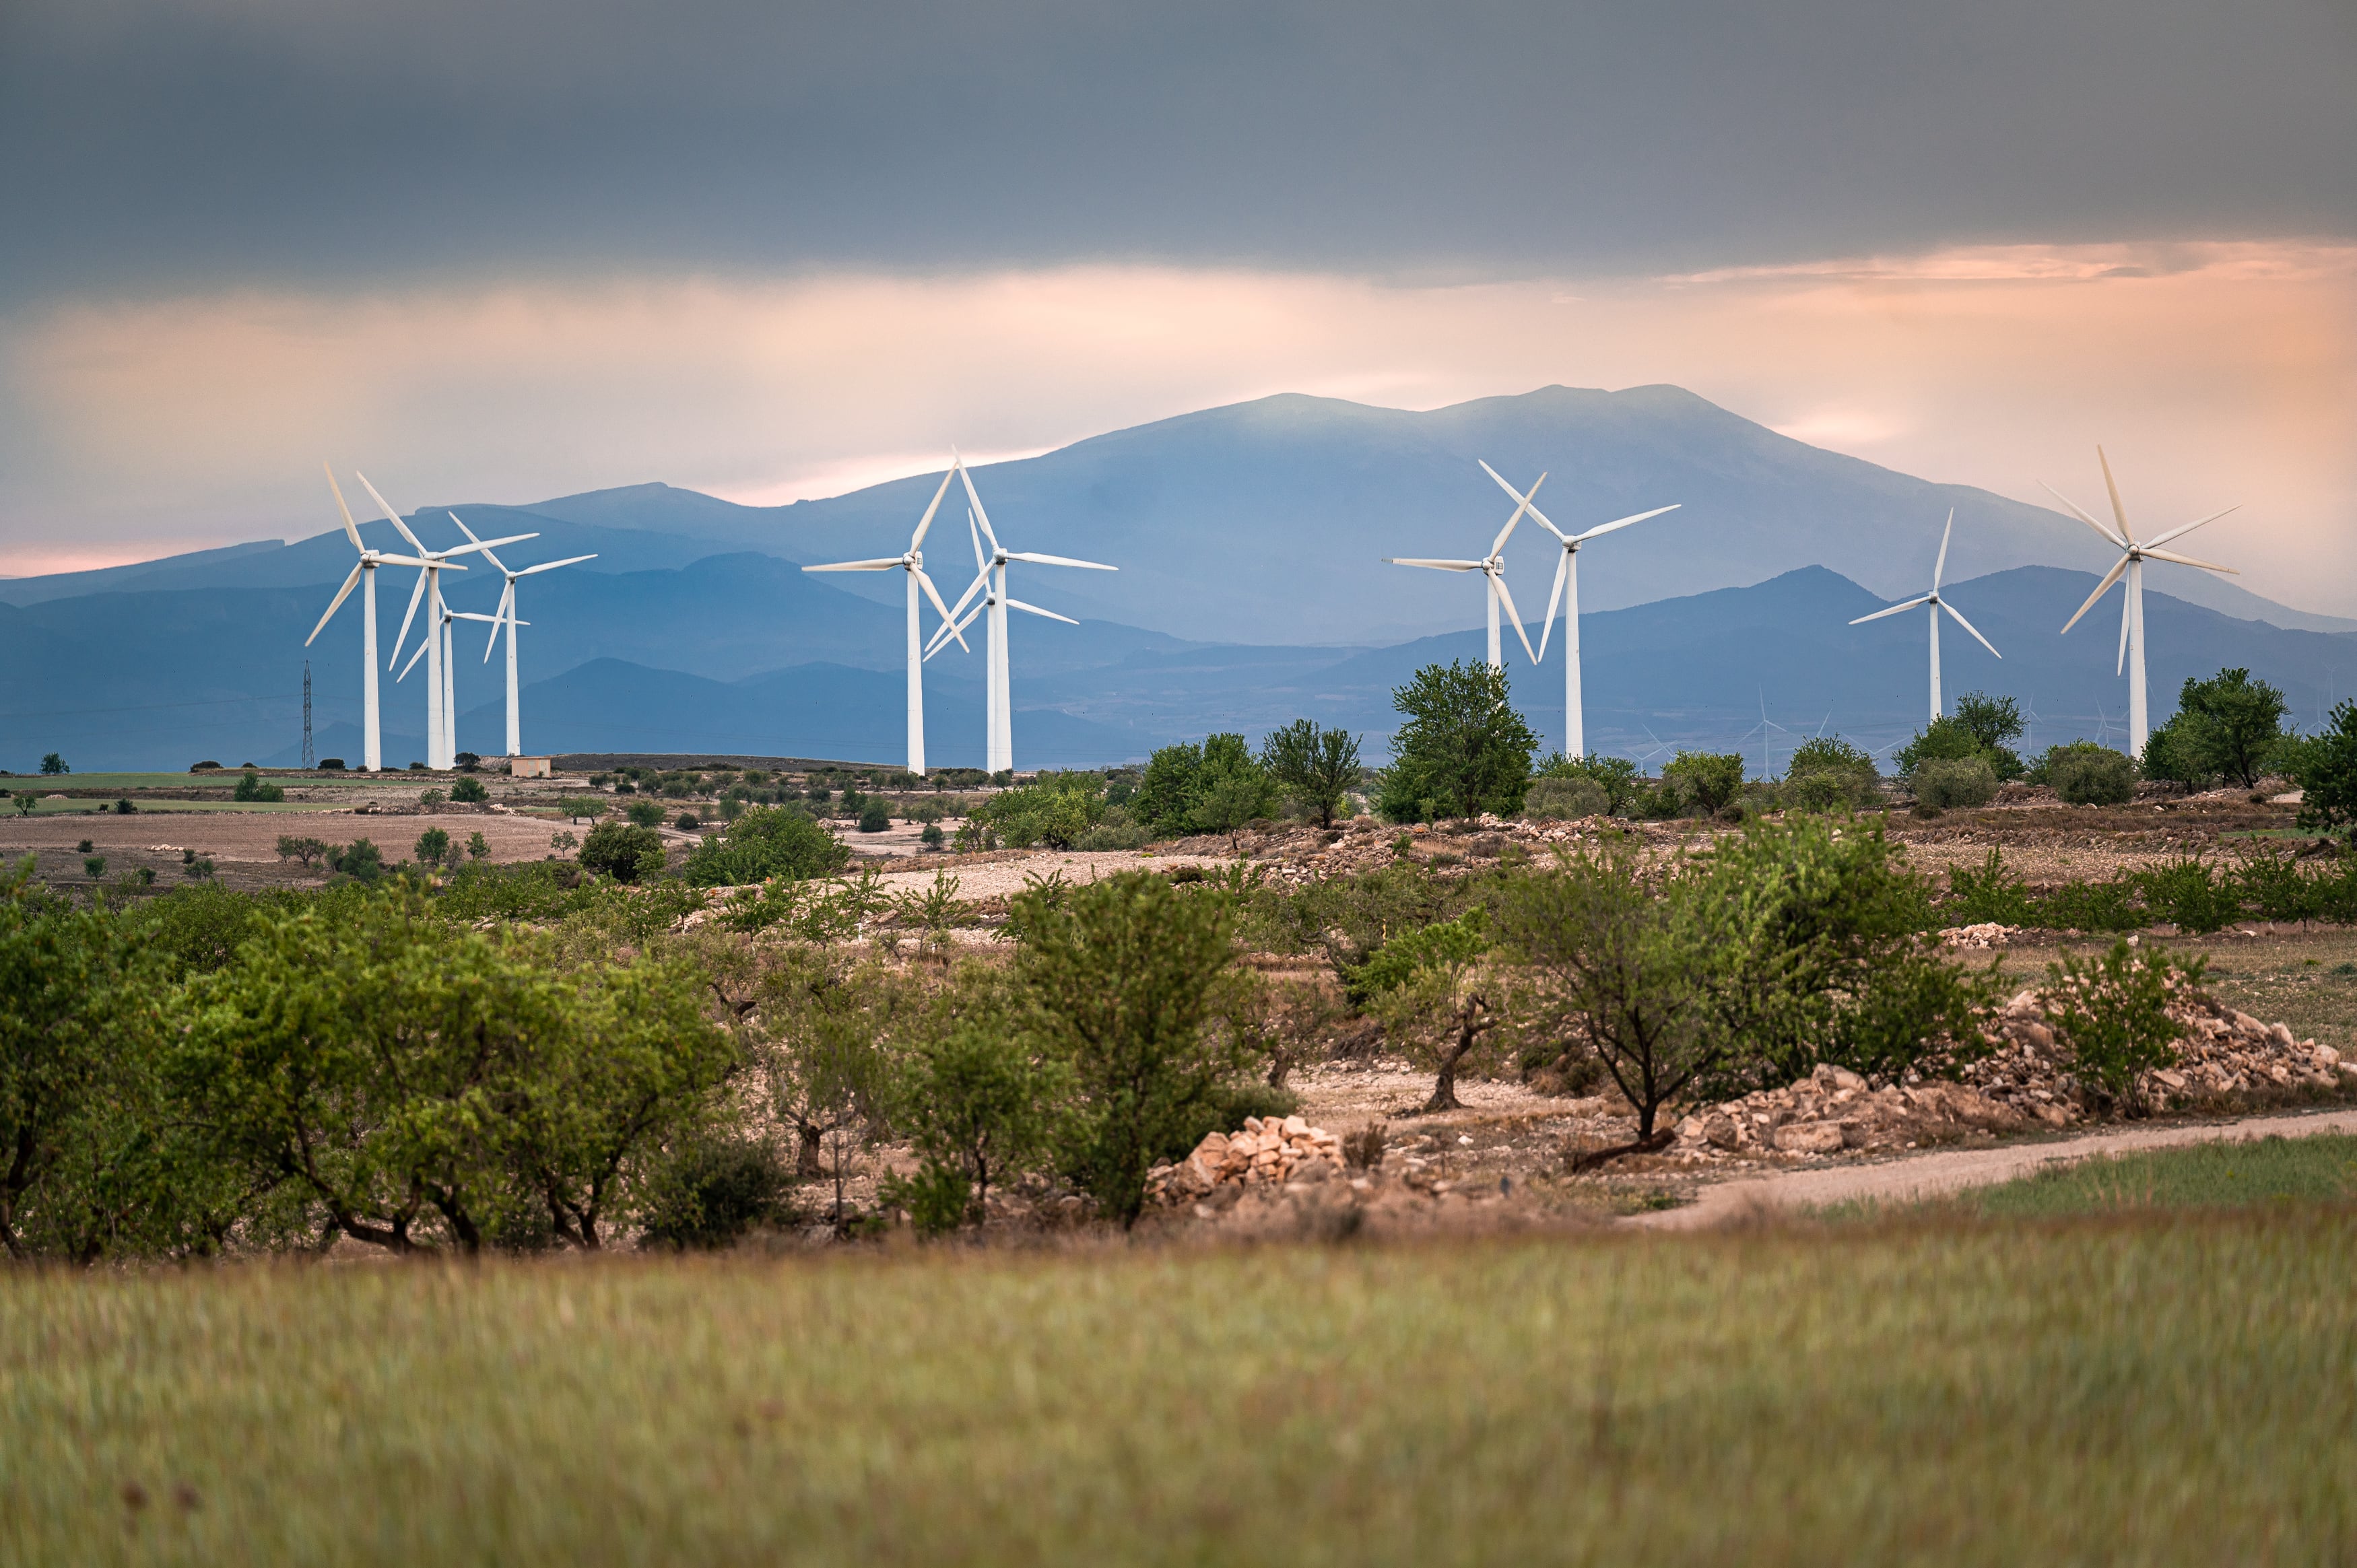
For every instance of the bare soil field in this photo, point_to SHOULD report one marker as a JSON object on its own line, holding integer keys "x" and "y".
{"x": 242, "y": 846}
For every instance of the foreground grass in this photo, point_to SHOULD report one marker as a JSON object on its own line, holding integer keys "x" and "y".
{"x": 2203, "y": 1176}
{"x": 2123, "y": 1391}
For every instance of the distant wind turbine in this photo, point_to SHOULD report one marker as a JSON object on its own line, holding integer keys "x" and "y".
{"x": 372, "y": 753}
{"x": 1937, "y": 604}
{"x": 1492, "y": 568}
{"x": 990, "y": 582}
{"x": 2133, "y": 555}
{"x": 506, "y": 609}
{"x": 911, "y": 563}
{"x": 441, "y": 727}
{"x": 1566, "y": 593}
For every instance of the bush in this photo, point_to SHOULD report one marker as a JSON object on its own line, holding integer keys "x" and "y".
{"x": 876, "y": 818}
{"x": 478, "y": 847}
{"x": 469, "y": 790}
{"x": 360, "y": 860}
{"x": 433, "y": 847}
{"x": 644, "y": 813}
{"x": 250, "y": 786}
{"x": 1943, "y": 740}
{"x": 331, "y": 765}
{"x": 623, "y": 851}
{"x": 933, "y": 836}
{"x": 1056, "y": 812}
{"x": 2085, "y": 774}
{"x": 305, "y": 850}
{"x": 1565, "y": 798}
{"x": 2188, "y": 895}
{"x": 1463, "y": 751}
{"x": 2110, "y": 1014}
{"x": 1947, "y": 782}
{"x": 1116, "y": 830}
{"x": 1993, "y": 721}
{"x": 976, "y": 1102}
{"x": 1828, "y": 774}
{"x": 2231, "y": 724}
{"x": 1702, "y": 782}
{"x": 686, "y": 822}
{"x": 1617, "y": 776}
{"x": 715, "y": 1192}
{"x": 94, "y": 866}
{"x": 766, "y": 842}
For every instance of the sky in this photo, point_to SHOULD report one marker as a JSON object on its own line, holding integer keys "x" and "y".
{"x": 500, "y": 252}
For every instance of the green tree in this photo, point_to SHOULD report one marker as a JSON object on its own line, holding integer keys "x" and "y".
{"x": 1827, "y": 773}
{"x": 250, "y": 786}
{"x": 623, "y": 851}
{"x": 1314, "y": 767}
{"x": 2085, "y": 774}
{"x": 1704, "y": 782}
{"x": 470, "y": 790}
{"x": 2233, "y": 725}
{"x": 478, "y": 846}
{"x": 1616, "y": 776}
{"x": 53, "y": 763}
{"x": 2324, "y": 766}
{"x": 309, "y": 851}
{"x": 2111, "y": 1014}
{"x": 361, "y": 860}
{"x": 433, "y": 847}
{"x": 765, "y": 841}
{"x": 1464, "y": 750}
{"x": 644, "y": 813}
{"x": 1164, "y": 802}
{"x": 1123, "y": 979}
{"x": 1232, "y": 789}
{"x": 1994, "y": 723}
{"x": 977, "y": 1103}
{"x": 1417, "y": 985}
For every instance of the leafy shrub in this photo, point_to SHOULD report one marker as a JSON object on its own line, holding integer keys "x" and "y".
{"x": 1116, "y": 830}
{"x": 766, "y": 842}
{"x": 199, "y": 867}
{"x": 1463, "y": 751}
{"x": 305, "y": 850}
{"x": 1617, "y": 776}
{"x": 361, "y": 860}
{"x": 938, "y": 1198}
{"x": 1702, "y": 782}
{"x": 250, "y": 786}
{"x": 644, "y": 813}
{"x": 430, "y": 798}
{"x": 2229, "y": 726}
{"x": 1990, "y": 894}
{"x": 331, "y": 765}
{"x": 687, "y": 822}
{"x": 876, "y": 818}
{"x": 2110, "y": 1014}
{"x": 94, "y": 866}
{"x": 1827, "y": 773}
{"x": 716, "y": 1191}
{"x": 1947, "y": 782}
{"x": 623, "y": 851}
{"x": 976, "y": 1102}
{"x": 478, "y": 847}
{"x": 933, "y": 836}
{"x": 2191, "y": 895}
{"x": 1993, "y": 721}
{"x": 1056, "y": 812}
{"x": 433, "y": 847}
{"x": 1565, "y": 798}
{"x": 2085, "y": 774}
{"x": 470, "y": 790}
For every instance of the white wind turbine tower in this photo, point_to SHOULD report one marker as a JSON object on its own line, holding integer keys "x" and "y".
{"x": 441, "y": 750}
{"x": 2133, "y": 555}
{"x": 1566, "y": 591}
{"x": 1492, "y": 568}
{"x": 372, "y": 753}
{"x": 991, "y": 583}
{"x": 506, "y": 609}
{"x": 912, "y": 564}
{"x": 1937, "y": 604}
{"x": 445, "y": 656}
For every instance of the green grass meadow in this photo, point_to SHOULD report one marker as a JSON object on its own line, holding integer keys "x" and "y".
{"x": 2147, "y": 1387}
{"x": 2320, "y": 1168}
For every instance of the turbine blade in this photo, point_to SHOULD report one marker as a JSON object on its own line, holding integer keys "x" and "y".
{"x": 1521, "y": 507}
{"x": 953, "y": 627}
{"x": 2189, "y": 561}
{"x": 1894, "y": 610}
{"x": 1940, "y": 566}
{"x": 1525, "y": 500}
{"x": 483, "y": 545}
{"x": 337, "y": 603}
{"x": 2179, "y": 532}
{"x": 981, "y": 512}
{"x": 350, "y": 528}
{"x": 971, "y": 588}
{"x": 1498, "y": 584}
{"x": 403, "y": 561}
{"x": 1015, "y": 603}
{"x": 925, "y": 523}
{"x": 2109, "y": 578}
{"x": 2083, "y": 516}
{"x": 1546, "y": 626}
{"x": 548, "y": 566}
{"x": 476, "y": 542}
{"x": 416, "y": 594}
{"x": 2127, "y": 612}
{"x": 391, "y": 516}
{"x": 1625, "y": 521}
{"x": 1058, "y": 560}
{"x": 423, "y": 644}
{"x": 933, "y": 594}
{"x": 859, "y": 565}
{"x": 507, "y": 608}
{"x": 1435, "y": 565}
{"x": 1956, "y": 616}
{"x": 2112, "y": 486}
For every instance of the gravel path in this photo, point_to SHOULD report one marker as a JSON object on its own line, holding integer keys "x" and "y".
{"x": 1932, "y": 1175}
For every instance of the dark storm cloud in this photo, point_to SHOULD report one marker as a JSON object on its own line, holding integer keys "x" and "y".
{"x": 250, "y": 139}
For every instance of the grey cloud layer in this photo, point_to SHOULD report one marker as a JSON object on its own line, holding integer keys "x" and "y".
{"x": 159, "y": 146}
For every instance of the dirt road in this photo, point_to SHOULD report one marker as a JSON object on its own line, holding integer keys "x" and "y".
{"x": 1932, "y": 1175}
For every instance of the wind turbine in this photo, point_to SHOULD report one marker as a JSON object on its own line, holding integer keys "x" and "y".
{"x": 1937, "y": 604}
{"x": 445, "y": 657}
{"x": 1493, "y": 567}
{"x": 2132, "y": 556}
{"x": 912, "y": 564}
{"x": 1566, "y": 591}
{"x": 506, "y": 609}
{"x": 441, "y": 750}
{"x": 991, "y": 583}
{"x": 372, "y": 753}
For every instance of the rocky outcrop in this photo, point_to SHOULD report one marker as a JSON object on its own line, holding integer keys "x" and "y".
{"x": 1265, "y": 1152}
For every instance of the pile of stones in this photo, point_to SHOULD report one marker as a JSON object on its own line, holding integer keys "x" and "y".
{"x": 2024, "y": 1081}
{"x": 1268, "y": 1152}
